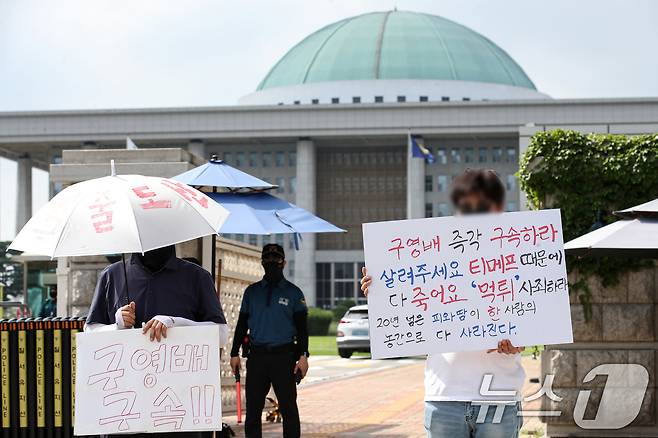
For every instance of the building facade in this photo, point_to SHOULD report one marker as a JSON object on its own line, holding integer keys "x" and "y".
{"x": 329, "y": 126}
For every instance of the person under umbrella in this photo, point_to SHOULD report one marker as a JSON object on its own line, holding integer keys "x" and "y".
{"x": 165, "y": 292}
{"x": 143, "y": 216}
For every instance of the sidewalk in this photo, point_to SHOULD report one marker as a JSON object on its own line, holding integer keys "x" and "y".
{"x": 387, "y": 403}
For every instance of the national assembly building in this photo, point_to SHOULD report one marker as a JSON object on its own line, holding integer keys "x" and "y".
{"x": 329, "y": 123}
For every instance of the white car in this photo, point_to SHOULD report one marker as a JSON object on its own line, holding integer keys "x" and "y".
{"x": 353, "y": 332}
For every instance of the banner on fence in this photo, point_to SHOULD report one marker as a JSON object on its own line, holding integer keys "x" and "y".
{"x": 466, "y": 282}
{"x": 126, "y": 383}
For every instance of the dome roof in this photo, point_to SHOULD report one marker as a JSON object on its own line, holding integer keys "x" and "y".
{"x": 395, "y": 45}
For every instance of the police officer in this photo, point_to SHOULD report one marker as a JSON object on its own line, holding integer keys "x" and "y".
{"x": 274, "y": 314}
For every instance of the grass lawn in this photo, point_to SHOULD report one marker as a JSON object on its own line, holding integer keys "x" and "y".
{"x": 322, "y": 346}
{"x": 325, "y": 346}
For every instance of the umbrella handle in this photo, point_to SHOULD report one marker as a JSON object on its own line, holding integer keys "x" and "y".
{"x": 125, "y": 277}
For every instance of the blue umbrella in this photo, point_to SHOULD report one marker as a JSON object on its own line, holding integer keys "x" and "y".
{"x": 262, "y": 213}
{"x": 216, "y": 173}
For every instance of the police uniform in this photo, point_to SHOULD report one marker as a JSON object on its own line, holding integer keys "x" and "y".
{"x": 274, "y": 314}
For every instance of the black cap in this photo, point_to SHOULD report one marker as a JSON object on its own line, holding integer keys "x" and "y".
{"x": 273, "y": 248}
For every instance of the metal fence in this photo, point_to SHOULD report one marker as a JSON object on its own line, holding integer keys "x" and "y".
{"x": 37, "y": 376}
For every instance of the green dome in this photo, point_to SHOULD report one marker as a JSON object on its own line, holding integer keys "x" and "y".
{"x": 395, "y": 45}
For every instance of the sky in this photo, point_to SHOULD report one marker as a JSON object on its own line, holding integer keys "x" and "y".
{"x": 86, "y": 54}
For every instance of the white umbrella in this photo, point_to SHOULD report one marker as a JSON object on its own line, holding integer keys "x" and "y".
{"x": 635, "y": 235}
{"x": 119, "y": 214}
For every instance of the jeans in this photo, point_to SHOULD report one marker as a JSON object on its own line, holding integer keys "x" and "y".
{"x": 456, "y": 419}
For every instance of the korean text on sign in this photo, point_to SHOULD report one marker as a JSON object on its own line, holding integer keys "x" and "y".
{"x": 127, "y": 384}
{"x": 464, "y": 283}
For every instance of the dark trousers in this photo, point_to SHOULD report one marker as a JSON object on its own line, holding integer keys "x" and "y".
{"x": 276, "y": 369}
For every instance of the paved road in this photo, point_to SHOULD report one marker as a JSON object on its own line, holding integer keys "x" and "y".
{"x": 333, "y": 367}
{"x": 365, "y": 398}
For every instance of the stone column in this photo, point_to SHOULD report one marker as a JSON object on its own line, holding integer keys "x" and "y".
{"x": 305, "y": 198}
{"x": 24, "y": 191}
{"x": 415, "y": 186}
{"x": 197, "y": 147}
{"x": 525, "y": 132}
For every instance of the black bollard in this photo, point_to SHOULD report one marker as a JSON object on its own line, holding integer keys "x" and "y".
{"x": 30, "y": 344}
{"x": 57, "y": 377}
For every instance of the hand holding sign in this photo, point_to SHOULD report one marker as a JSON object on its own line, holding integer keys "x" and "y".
{"x": 482, "y": 282}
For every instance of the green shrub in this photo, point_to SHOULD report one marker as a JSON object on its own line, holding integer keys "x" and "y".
{"x": 588, "y": 177}
{"x": 341, "y": 308}
{"x": 318, "y": 321}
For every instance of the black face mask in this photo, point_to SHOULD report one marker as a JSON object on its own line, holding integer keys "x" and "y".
{"x": 273, "y": 271}
{"x": 156, "y": 259}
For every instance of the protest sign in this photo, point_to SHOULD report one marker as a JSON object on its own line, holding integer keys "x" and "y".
{"x": 127, "y": 384}
{"x": 465, "y": 283}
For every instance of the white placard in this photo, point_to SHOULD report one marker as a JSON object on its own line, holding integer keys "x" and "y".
{"x": 466, "y": 282}
{"x": 127, "y": 384}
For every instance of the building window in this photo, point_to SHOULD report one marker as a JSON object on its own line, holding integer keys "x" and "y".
{"x": 291, "y": 269}
{"x": 278, "y": 239}
{"x": 281, "y": 182}
{"x": 511, "y": 206}
{"x": 336, "y": 282}
{"x": 239, "y": 159}
{"x": 511, "y": 182}
{"x": 227, "y": 157}
{"x": 292, "y": 188}
{"x": 267, "y": 159}
{"x": 428, "y": 209}
{"x": 468, "y": 155}
{"x": 335, "y": 100}
{"x": 323, "y": 285}
{"x": 445, "y": 99}
{"x": 428, "y": 183}
{"x": 497, "y": 155}
{"x": 253, "y": 159}
{"x": 455, "y": 156}
{"x": 360, "y": 298}
{"x": 444, "y": 210}
{"x": 424, "y": 99}
{"x": 379, "y": 99}
{"x": 253, "y": 239}
{"x": 441, "y": 156}
{"x": 280, "y": 159}
{"x": 345, "y": 285}
{"x": 356, "y": 99}
{"x": 441, "y": 183}
{"x": 511, "y": 155}
{"x": 402, "y": 99}
{"x": 292, "y": 158}
{"x": 315, "y": 101}
{"x": 483, "y": 155}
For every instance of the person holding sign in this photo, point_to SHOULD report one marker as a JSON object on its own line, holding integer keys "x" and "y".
{"x": 157, "y": 291}
{"x": 453, "y": 380}
{"x": 274, "y": 314}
